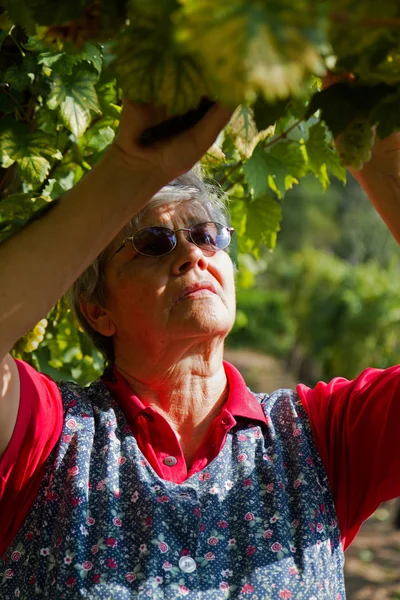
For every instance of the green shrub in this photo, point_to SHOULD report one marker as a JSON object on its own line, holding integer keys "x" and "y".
{"x": 263, "y": 322}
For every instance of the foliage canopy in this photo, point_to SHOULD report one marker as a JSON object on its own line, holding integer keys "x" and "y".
{"x": 65, "y": 66}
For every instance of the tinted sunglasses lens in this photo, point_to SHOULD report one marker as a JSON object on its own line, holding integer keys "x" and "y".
{"x": 154, "y": 241}
{"x": 212, "y": 235}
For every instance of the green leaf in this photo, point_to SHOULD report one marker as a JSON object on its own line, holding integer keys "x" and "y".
{"x": 268, "y": 113}
{"x": 243, "y": 129}
{"x": 341, "y": 103}
{"x": 63, "y": 63}
{"x": 387, "y": 115}
{"x": 152, "y": 65}
{"x": 17, "y": 77}
{"x": 327, "y": 102}
{"x": 46, "y": 120}
{"x": 16, "y": 205}
{"x": 321, "y": 156}
{"x": 55, "y": 187}
{"x": 21, "y": 14}
{"x": 108, "y": 97}
{"x": 34, "y": 169}
{"x": 264, "y": 216}
{"x": 30, "y": 150}
{"x": 101, "y": 139}
{"x": 75, "y": 97}
{"x": 292, "y": 156}
{"x": 92, "y": 53}
{"x": 263, "y": 171}
{"x": 56, "y": 13}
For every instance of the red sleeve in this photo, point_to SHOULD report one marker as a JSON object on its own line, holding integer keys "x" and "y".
{"x": 356, "y": 427}
{"x": 37, "y": 430}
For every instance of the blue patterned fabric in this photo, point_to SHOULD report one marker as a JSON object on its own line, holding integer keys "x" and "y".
{"x": 259, "y": 520}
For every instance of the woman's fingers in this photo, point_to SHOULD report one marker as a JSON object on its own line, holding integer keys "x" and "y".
{"x": 176, "y": 153}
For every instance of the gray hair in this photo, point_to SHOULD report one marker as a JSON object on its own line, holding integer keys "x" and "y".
{"x": 90, "y": 286}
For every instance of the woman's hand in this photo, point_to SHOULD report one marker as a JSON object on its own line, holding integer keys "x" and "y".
{"x": 170, "y": 158}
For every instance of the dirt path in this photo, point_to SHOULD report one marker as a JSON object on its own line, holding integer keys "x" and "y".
{"x": 372, "y": 566}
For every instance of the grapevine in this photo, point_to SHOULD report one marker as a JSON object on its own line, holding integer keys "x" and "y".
{"x": 31, "y": 341}
{"x": 65, "y": 66}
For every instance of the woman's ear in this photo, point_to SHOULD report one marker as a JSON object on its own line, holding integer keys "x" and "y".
{"x": 98, "y": 317}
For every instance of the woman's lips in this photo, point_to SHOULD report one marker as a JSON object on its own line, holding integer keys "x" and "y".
{"x": 197, "y": 290}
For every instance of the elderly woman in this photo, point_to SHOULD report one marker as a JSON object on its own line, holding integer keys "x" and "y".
{"x": 167, "y": 477}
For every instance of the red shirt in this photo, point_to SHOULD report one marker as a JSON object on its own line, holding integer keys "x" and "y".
{"x": 355, "y": 425}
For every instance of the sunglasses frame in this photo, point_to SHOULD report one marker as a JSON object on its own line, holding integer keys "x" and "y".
{"x": 174, "y": 231}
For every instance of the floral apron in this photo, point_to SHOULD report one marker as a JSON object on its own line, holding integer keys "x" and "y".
{"x": 257, "y": 523}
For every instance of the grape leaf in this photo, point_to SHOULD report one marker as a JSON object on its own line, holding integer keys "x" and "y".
{"x": 64, "y": 62}
{"x": 75, "y": 97}
{"x": 20, "y": 13}
{"x": 30, "y": 150}
{"x": 244, "y": 50}
{"x": 353, "y": 100}
{"x": 243, "y": 130}
{"x": 387, "y": 115}
{"x": 150, "y": 69}
{"x": 16, "y": 205}
{"x": 321, "y": 157}
{"x": 268, "y": 113}
{"x": 292, "y": 156}
{"x": 264, "y": 170}
{"x": 34, "y": 169}
{"x": 349, "y": 39}
{"x": 264, "y": 216}
{"x": 101, "y": 139}
{"x": 57, "y": 186}
{"x": 17, "y": 77}
{"x": 54, "y": 13}
{"x": 46, "y": 120}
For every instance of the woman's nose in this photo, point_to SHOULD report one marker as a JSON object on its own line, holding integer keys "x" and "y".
{"x": 186, "y": 255}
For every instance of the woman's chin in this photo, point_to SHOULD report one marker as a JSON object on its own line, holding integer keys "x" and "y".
{"x": 206, "y": 321}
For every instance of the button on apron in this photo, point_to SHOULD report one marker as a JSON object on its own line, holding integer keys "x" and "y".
{"x": 170, "y": 461}
{"x": 187, "y": 564}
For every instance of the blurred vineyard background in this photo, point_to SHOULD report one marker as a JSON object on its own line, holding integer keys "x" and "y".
{"x": 326, "y": 303}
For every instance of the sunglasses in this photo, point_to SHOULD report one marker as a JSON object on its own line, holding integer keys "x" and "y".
{"x": 159, "y": 241}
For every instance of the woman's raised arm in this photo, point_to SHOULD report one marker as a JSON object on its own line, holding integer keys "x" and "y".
{"x": 380, "y": 179}
{"x": 40, "y": 263}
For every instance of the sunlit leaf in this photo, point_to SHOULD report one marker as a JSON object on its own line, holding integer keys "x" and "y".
{"x": 75, "y": 97}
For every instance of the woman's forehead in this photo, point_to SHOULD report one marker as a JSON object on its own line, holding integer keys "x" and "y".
{"x": 174, "y": 214}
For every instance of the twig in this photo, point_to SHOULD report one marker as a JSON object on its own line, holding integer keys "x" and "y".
{"x": 235, "y": 168}
{"x": 284, "y": 134}
{"x": 16, "y": 41}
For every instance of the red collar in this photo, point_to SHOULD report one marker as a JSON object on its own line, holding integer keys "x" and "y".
{"x": 240, "y": 403}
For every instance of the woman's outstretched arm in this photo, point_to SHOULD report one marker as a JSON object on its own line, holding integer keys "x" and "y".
{"x": 380, "y": 179}
{"x": 41, "y": 262}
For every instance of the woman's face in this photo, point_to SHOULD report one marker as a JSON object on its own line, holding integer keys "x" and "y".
{"x": 150, "y": 301}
